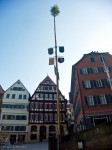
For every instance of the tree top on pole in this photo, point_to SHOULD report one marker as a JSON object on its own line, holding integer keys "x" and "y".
{"x": 55, "y": 10}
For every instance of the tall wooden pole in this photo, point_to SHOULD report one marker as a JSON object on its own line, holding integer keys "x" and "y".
{"x": 57, "y": 87}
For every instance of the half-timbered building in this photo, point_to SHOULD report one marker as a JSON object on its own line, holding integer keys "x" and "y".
{"x": 43, "y": 111}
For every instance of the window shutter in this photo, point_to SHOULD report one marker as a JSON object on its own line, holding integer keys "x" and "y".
{"x": 99, "y": 70}
{"x": 109, "y": 68}
{"x": 103, "y": 82}
{"x": 95, "y": 100}
{"x": 80, "y": 71}
{"x": 94, "y": 82}
{"x": 91, "y": 70}
{"x": 98, "y": 99}
{"x": 102, "y": 68}
{"x": 110, "y": 98}
{"x": 88, "y": 70}
{"x": 83, "y": 84}
{"x": 107, "y": 99}
{"x": 86, "y": 100}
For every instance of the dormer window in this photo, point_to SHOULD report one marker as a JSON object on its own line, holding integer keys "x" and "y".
{"x": 92, "y": 59}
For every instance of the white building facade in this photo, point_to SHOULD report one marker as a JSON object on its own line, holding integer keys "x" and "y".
{"x": 14, "y": 114}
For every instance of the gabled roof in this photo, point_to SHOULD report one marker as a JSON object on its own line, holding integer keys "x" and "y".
{"x": 15, "y": 83}
{"x": 1, "y": 89}
{"x": 47, "y": 80}
{"x": 90, "y": 54}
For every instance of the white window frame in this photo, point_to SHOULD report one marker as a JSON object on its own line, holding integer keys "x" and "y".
{"x": 50, "y": 96}
{"x": 31, "y": 106}
{"x": 99, "y": 83}
{"x": 84, "y": 71}
{"x": 41, "y": 95}
{"x": 46, "y": 96}
{"x": 36, "y": 106}
{"x": 46, "y": 117}
{"x": 95, "y": 70}
{"x": 50, "y": 117}
{"x": 103, "y": 99}
{"x": 90, "y": 100}
{"x": 87, "y": 84}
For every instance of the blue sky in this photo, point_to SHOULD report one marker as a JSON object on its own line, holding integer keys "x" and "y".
{"x": 26, "y": 32}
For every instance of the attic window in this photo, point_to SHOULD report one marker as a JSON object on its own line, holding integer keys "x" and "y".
{"x": 18, "y": 82}
{"x": 92, "y": 59}
{"x": 47, "y": 81}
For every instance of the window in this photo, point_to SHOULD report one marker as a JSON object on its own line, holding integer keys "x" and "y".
{"x": 24, "y": 96}
{"x": 46, "y": 88}
{"x": 50, "y": 117}
{"x": 4, "y": 117}
{"x": 63, "y": 106}
{"x": 40, "y": 117}
{"x": 45, "y": 106}
{"x": 46, "y": 117}
{"x": 86, "y": 84}
{"x": 37, "y": 95}
{"x": 31, "y": 117}
{"x": 21, "y": 117}
{"x": 103, "y": 99}
{"x": 84, "y": 71}
{"x": 47, "y": 81}
{"x": 7, "y": 128}
{"x": 18, "y": 89}
{"x": 41, "y": 105}
{"x": 31, "y": 105}
{"x": 8, "y": 95}
{"x": 50, "y": 87}
{"x": 10, "y": 117}
{"x": 36, "y": 117}
{"x": 99, "y": 83}
{"x": 95, "y": 70}
{"x": 46, "y": 96}
{"x": 36, "y": 105}
{"x": 92, "y": 59}
{"x": 90, "y": 100}
{"x": 50, "y": 106}
{"x": 55, "y": 117}
{"x": 54, "y": 88}
{"x": 20, "y": 96}
{"x": 109, "y": 98}
{"x": 54, "y": 96}
{"x": 50, "y": 96}
{"x": 20, "y": 128}
{"x": 41, "y": 87}
{"x": 13, "y": 96}
{"x": 41, "y": 95}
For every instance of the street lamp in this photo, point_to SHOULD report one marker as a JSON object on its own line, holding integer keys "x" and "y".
{"x": 54, "y": 61}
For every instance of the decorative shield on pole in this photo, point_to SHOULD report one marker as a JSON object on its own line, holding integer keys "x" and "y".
{"x": 51, "y": 61}
{"x": 61, "y": 59}
{"x": 50, "y": 51}
{"x": 61, "y": 49}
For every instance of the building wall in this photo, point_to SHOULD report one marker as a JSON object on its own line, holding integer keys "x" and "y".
{"x": 43, "y": 109}
{"x": 14, "y": 115}
{"x": 37, "y": 133}
{"x": 85, "y": 114}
